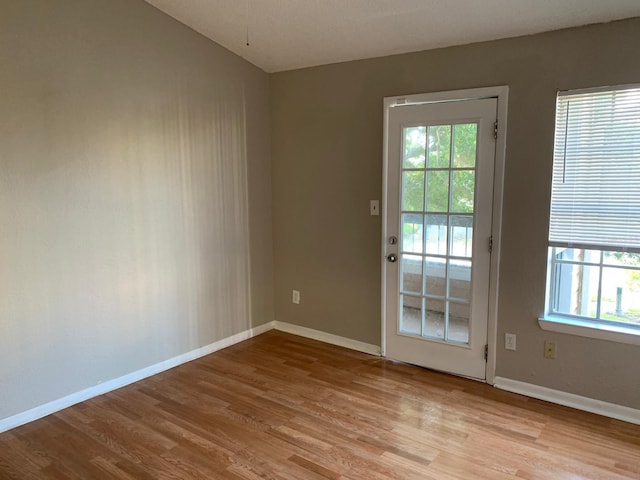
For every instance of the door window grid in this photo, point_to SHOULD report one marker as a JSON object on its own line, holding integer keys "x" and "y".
{"x": 416, "y": 226}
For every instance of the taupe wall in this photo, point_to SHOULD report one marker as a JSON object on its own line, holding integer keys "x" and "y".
{"x": 327, "y": 162}
{"x": 135, "y": 194}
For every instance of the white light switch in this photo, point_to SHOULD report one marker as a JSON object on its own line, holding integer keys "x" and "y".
{"x": 374, "y": 207}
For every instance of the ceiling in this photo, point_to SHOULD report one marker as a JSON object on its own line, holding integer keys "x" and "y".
{"x": 289, "y": 34}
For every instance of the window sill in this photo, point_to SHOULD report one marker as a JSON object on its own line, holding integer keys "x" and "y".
{"x": 582, "y": 328}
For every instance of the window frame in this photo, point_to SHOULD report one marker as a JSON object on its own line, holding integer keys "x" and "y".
{"x": 585, "y": 326}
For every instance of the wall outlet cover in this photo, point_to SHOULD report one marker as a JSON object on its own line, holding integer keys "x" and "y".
{"x": 549, "y": 350}
{"x": 510, "y": 341}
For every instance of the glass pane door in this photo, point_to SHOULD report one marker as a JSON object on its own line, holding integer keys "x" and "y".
{"x": 439, "y": 216}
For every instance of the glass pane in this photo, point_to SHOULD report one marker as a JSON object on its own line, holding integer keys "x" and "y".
{"x": 434, "y": 318}
{"x": 411, "y": 274}
{"x": 438, "y": 191}
{"x": 464, "y": 148}
{"x": 413, "y": 191}
{"x": 459, "y": 314}
{"x": 439, "y": 147}
{"x": 435, "y": 271}
{"x": 461, "y": 234}
{"x": 577, "y": 255}
{"x": 460, "y": 279}
{"x": 463, "y": 183}
{"x": 415, "y": 141}
{"x": 576, "y": 289}
{"x": 411, "y": 315}
{"x": 436, "y": 238}
{"x": 622, "y": 259}
{"x": 620, "y": 298}
{"x": 412, "y": 232}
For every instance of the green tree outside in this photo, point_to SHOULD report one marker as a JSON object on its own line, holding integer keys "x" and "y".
{"x": 427, "y": 152}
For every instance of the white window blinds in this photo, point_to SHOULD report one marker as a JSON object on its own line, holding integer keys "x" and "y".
{"x": 595, "y": 197}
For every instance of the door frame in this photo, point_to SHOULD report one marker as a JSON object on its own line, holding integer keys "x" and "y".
{"x": 502, "y": 94}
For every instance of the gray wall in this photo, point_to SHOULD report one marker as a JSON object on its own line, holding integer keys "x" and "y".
{"x": 135, "y": 194}
{"x": 327, "y": 163}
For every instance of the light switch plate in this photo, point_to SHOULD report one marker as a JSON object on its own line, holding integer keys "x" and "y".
{"x": 374, "y": 207}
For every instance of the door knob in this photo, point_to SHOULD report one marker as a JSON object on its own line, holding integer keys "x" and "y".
{"x": 392, "y": 257}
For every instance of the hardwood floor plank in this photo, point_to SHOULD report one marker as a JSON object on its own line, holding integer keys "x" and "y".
{"x": 113, "y": 470}
{"x": 314, "y": 467}
{"x": 288, "y": 408}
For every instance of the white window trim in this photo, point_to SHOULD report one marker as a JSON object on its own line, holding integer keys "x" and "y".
{"x": 590, "y": 329}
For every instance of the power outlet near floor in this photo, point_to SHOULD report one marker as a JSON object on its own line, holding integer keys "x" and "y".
{"x": 510, "y": 341}
{"x": 550, "y": 350}
{"x": 295, "y": 297}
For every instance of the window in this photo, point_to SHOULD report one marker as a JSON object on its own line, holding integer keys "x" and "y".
{"x": 593, "y": 275}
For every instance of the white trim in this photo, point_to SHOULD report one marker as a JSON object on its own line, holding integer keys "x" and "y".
{"x": 611, "y": 410}
{"x": 502, "y": 94}
{"x": 591, "y": 329}
{"x": 327, "y": 338}
{"x": 388, "y": 102}
{"x": 599, "y": 407}
{"x": 496, "y": 231}
{"x": 102, "y": 388}
{"x": 447, "y": 96}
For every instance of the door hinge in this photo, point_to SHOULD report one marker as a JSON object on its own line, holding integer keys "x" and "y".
{"x": 495, "y": 130}
{"x": 491, "y": 244}
{"x": 486, "y": 352}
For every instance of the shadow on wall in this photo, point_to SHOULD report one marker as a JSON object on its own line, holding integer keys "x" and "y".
{"x": 126, "y": 231}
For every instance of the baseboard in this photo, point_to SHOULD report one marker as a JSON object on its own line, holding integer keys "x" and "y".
{"x": 327, "y": 338}
{"x": 102, "y": 388}
{"x": 599, "y": 407}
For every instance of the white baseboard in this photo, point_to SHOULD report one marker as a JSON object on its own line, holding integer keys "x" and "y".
{"x": 327, "y": 337}
{"x": 599, "y": 407}
{"x": 611, "y": 410}
{"x": 102, "y": 388}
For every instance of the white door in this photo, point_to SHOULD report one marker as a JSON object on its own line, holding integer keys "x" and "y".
{"x": 439, "y": 213}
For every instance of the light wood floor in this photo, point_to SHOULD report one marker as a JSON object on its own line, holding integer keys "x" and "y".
{"x": 283, "y": 407}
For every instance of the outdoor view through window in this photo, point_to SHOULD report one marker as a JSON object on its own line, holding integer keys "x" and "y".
{"x": 596, "y": 284}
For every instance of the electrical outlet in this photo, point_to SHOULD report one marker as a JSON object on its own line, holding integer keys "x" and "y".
{"x": 295, "y": 297}
{"x": 510, "y": 341}
{"x": 550, "y": 350}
